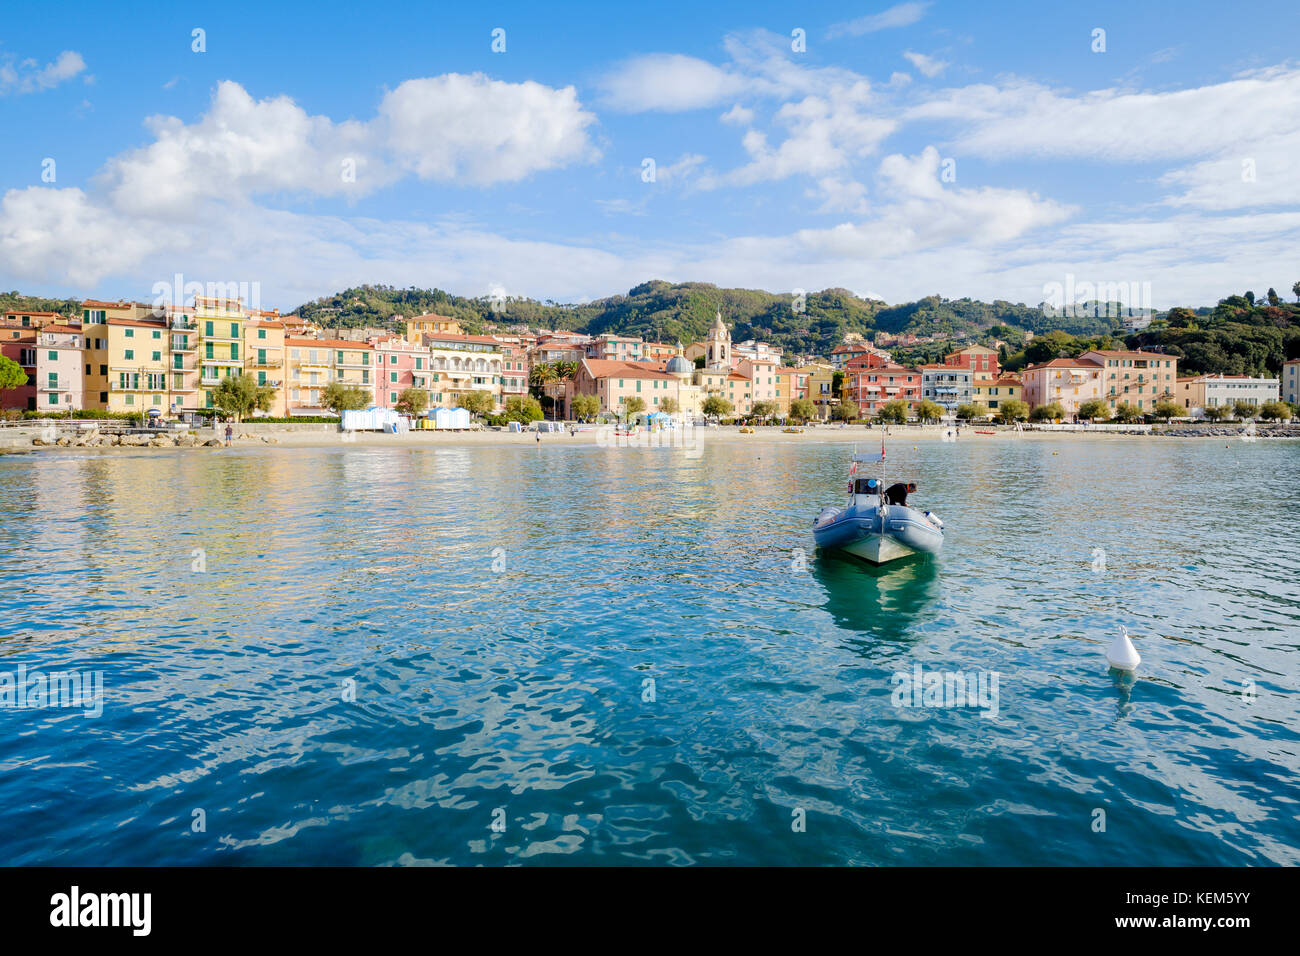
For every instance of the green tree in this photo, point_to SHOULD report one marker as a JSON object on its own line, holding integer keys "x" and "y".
{"x": 1217, "y": 412}
{"x": 1093, "y": 409}
{"x": 715, "y": 406}
{"x": 11, "y": 374}
{"x": 929, "y": 411}
{"x": 845, "y": 412}
{"x": 973, "y": 410}
{"x": 1243, "y": 410}
{"x": 522, "y": 408}
{"x": 476, "y": 403}
{"x": 413, "y": 401}
{"x": 669, "y": 406}
{"x": 633, "y": 405}
{"x": 1012, "y": 410}
{"x": 1125, "y": 412}
{"x": 764, "y": 410}
{"x": 1048, "y": 412}
{"x": 802, "y": 410}
{"x": 1295, "y": 289}
{"x": 339, "y": 397}
{"x": 238, "y": 395}
{"x": 1168, "y": 410}
{"x": 584, "y": 407}
{"x": 894, "y": 412}
{"x": 1275, "y": 411}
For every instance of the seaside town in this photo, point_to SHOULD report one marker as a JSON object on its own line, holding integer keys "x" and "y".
{"x": 158, "y": 363}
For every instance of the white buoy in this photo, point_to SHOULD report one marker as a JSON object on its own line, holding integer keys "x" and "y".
{"x": 1122, "y": 654}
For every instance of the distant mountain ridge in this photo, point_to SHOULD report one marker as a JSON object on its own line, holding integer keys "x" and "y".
{"x": 813, "y": 324}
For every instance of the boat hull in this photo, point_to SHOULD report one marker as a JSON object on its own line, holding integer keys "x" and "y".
{"x": 878, "y": 535}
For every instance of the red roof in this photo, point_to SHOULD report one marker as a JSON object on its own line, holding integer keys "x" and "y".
{"x": 1066, "y": 363}
{"x": 610, "y": 368}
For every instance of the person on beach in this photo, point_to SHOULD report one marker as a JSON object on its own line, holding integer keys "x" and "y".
{"x": 897, "y": 494}
{"x": 230, "y": 434}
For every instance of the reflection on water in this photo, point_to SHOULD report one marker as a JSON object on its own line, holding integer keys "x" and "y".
{"x": 633, "y": 654}
{"x": 878, "y": 601}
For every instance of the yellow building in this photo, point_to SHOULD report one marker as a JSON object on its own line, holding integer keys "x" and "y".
{"x": 1139, "y": 378}
{"x": 183, "y": 364}
{"x": 786, "y": 383}
{"x": 220, "y": 343}
{"x": 992, "y": 392}
{"x": 138, "y": 355}
{"x": 264, "y": 357}
{"x": 430, "y": 324}
{"x": 820, "y": 381}
{"x": 95, "y": 315}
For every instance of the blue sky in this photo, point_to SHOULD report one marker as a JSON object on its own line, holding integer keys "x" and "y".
{"x": 907, "y": 149}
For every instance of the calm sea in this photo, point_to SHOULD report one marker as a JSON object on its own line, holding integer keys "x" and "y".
{"x": 584, "y": 655}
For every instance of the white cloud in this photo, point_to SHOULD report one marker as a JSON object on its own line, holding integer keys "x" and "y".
{"x": 738, "y": 116}
{"x": 929, "y": 65}
{"x": 1021, "y": 118}
{"x": 479, "y": 130}
{"x": 824, "y": 134}
{"x": 28, "y": 77}
{"x": 668, "y": 82}
{"x": 899, "y": 15}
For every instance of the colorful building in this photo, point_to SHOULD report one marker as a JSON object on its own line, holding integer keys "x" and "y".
{"x": 1291, "y": 381}
{"x": 220, "y": 344}
{"x": 992, "y": 392}
{"x": 139, "y": 351}
{"x": 819, "y": 387}
{"x": 980, "y": 359}
{"x": 60, "y": 380}
{"x": 430, "y": 324}
{"x": 18, "y": 343}
{"x": 1139, "y": 378}
{"x": 872, "y": 386}
{"x": 948, "y": 385}
{"x": 614, "y": 383}
{"x": 264, "y": 357}
{"x": 1199, "y": 392}
{"x": 459, "y": 364}
{"x": 309, "y": 367}
{"x": 398, "y": 365}
{"x": 1070, "y": 381}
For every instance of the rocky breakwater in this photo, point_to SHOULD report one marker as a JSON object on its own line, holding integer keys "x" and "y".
{"x": 1235, "y": 430}
{"x": 94, "y": 439}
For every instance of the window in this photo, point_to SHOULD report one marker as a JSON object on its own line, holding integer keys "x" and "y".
{"x": 207, "y": 350}
{"x": 157, "y": 356}
{"x": 130, "y": 354}
{"x": 130, "y": 333}
{"x": 234, "y": 330}
{"x": 392, "y": 360}
{"x": 157, "y": 334}
{"x": 54, "y": 398}
{"x": 130, "y": 399}
{"x": 103, "y": 370}
{"x": 261, "y": 333}
{"x": 234, "y": 352}
{"x": 392, "y": 376}
{"x": 52, "y": 356}
{"x": 207, "y": 330}
{"x": 392, "y": 397}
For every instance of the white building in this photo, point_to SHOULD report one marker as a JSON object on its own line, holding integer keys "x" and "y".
{"x": 948, "y": 385}
{"x": 1208, "y": 391}
{"x": 1291, "y": 381}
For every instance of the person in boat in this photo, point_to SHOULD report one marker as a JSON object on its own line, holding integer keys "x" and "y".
{"x": 897, "y": 494}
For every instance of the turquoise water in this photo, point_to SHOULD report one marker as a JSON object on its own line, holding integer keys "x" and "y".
{"x": 516, "y": 678}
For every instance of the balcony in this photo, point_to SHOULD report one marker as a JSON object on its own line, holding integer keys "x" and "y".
{"x": 61, "y": 384}
{"x": 183, "y": 325}
{"x": 267, "y": 362}
{"x": 237, "y": 363}
{"x": 353, "y": 364}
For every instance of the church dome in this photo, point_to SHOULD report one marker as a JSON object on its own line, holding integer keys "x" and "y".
{"x": 677, "y": 365}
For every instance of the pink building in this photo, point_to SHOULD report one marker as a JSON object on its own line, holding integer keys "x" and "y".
{"x": 514, "y": 367}
{"x": 1070, "y": 381}
{"x": 60, "y": 385}
{"x": 19, "y": 344}
{"x": 399, "y": 365}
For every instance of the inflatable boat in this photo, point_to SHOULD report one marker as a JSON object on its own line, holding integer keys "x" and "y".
{"x": 870, "y": 528}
